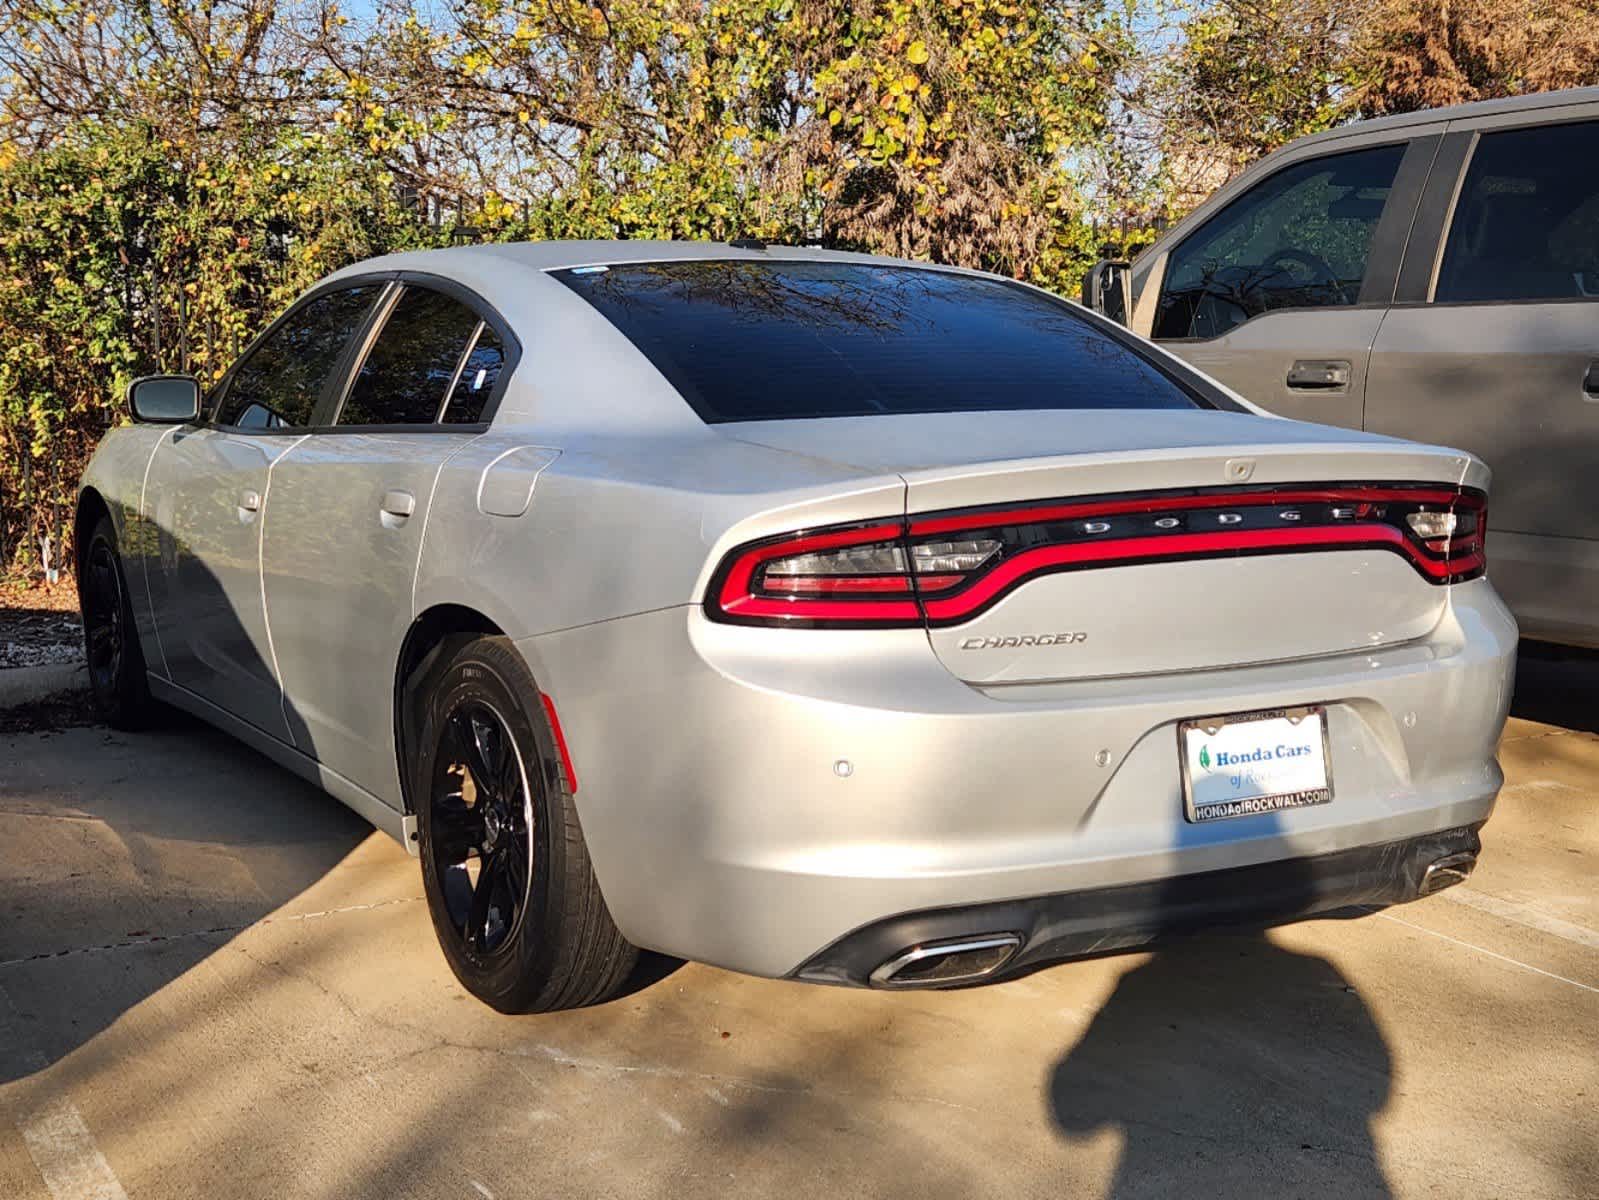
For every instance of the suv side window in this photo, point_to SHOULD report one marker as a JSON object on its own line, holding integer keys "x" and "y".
{"x": 1526, "y": 226}
{"x": 1298, "y": 239}
{"x": 278, "y": 384}
{"x": 413, "y": 363}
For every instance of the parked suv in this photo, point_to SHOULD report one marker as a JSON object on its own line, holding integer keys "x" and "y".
{"x": 1435, "y": 276}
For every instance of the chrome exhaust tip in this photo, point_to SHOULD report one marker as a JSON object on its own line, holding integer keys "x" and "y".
{"x": 943, "y": 964}
{"x": 1446, "y": 872}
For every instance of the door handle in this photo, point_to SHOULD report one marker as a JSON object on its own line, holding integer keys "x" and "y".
{"x": 397, "y": 507}
{"x": 1590, "y": 381}
{"x": 1319, "y": 375}
{"x": 249, "y": 501}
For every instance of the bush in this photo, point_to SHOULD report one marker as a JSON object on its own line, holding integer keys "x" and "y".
{"x": 123, "y": 254}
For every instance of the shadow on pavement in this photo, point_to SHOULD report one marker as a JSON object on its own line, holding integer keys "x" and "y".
{"x": 129, "y": 858}
{"x": 1231, "y": 1066}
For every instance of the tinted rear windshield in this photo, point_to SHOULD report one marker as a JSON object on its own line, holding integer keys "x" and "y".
{"x": 759, "y": 341}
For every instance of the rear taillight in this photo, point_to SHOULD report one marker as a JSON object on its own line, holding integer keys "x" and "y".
{"x": 855, "y": 575}
{"x": 946, "y": 568}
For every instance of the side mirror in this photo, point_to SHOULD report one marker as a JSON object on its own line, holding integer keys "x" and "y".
{"x": 165, "y": 399}
{"x": 1107, "y": 289}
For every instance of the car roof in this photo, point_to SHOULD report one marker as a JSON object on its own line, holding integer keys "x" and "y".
{"x": 1456, "y": 112}
{"x": 1354, "y": 136}
{"x": 557, "y": 255}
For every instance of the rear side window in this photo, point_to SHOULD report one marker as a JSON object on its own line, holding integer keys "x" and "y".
{"x": 1297, "y": 239}
{"x": 411, "y": 367}
{"x": 1526, "y": 226}
{"x": 278, "y": 384}
{"x": 756, "y": 341}
{"x": 476, "y": 382}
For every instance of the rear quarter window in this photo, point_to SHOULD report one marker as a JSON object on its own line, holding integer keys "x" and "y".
{"x": 755, "y": 341}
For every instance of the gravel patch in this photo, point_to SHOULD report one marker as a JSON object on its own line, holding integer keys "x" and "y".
{"x": 39, "y": 624}
{"x": 39, "y": 639}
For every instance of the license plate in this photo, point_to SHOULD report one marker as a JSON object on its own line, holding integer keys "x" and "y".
{"x": 1251, "y": 763}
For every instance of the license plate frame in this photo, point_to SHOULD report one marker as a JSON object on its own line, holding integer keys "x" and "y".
{"x": 1255, "y": 805}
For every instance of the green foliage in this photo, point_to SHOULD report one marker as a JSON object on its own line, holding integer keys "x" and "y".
{"x": 1249, "y": 76}
{"x": 124, "y": 253}
{"x": 931, "y": 128}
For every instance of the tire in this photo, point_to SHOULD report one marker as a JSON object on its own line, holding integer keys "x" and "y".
{"x": 117, "y": 682}
{"x": 490, "y": 792}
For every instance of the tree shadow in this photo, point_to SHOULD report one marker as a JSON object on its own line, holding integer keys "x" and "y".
{"x": 130, "y": 859}
{"x": 1231, "y": 1066}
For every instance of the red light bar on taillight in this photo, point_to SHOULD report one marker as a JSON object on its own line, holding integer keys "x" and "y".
{"x": 946, "y": 568}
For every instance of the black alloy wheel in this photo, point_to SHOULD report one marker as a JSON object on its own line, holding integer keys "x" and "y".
{"x": 117, "y": 682}
{"x": 103, "y": 628}
{"x": 482, "y": 820}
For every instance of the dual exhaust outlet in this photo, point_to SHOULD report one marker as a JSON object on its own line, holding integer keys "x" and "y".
{"x": 955, "y": 961}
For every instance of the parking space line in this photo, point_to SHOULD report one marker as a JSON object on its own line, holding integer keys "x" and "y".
{"x": 1521, "y": 914}
{"x": 1515, "y": 962}
{"x": 63, "y": 1149}
{"x": 57, "y": 1138}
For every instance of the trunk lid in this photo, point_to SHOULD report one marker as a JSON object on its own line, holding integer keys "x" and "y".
{"x": 1257, "y": 559}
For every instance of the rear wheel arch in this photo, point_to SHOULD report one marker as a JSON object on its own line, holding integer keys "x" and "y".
{"x": 426, "y": 644}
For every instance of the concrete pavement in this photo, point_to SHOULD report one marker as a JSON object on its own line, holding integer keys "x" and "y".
{"x": 216, "y": 982}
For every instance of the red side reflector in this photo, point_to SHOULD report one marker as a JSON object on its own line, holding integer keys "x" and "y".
{"x": 560, "y": 742}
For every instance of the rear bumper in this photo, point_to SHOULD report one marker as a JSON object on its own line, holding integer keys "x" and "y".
{"x": 751, "y": 796}
{"x": 1074, "y": 924}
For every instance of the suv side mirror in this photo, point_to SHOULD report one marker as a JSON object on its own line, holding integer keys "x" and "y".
{"x": 165, "y": 399}
{"x": 1107, "y": 289}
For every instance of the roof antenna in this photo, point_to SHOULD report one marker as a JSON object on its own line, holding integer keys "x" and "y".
{"x": 747, "y": 243}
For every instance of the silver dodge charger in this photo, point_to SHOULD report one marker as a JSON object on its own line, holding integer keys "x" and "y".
{"x": 810, "y": 614}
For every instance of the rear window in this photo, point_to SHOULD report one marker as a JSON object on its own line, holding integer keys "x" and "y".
{"x": 758, "y": 341}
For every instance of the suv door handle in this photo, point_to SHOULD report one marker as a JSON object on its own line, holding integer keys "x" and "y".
{"x": 397, "y": 506}
{"x": 1319, "y": 375}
